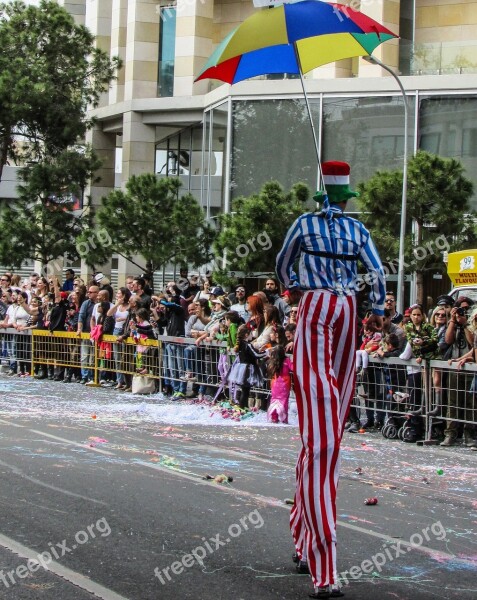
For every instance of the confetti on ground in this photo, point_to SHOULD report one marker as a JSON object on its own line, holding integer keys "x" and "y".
{"x": 35, "y": 398}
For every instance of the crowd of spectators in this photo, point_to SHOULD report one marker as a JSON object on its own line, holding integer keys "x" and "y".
{"x": 203, "y": 312}
{"x": 449, "y": 334}
{"x": 189, "y": 307}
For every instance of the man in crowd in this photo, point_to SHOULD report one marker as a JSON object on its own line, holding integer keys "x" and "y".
{"x": 69, "y": 280}
{"x": 143, "y": 299}
{"x": 34, "y": 277}
{"x": 272, "y": 290}
{"x": 104, "y": 284}
{"x": 189, "y": 289}
{"x": 5, "y": 281}
{"x": 130, "y": 283}
{"x": 240, "y": 303}
{"x": 390, "y": 304}
{"x": 84, "y": 326}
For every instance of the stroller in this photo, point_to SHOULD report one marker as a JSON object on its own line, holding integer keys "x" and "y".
{"x": 403, "y": 417}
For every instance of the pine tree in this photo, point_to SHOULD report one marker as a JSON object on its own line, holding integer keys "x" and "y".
{"x": 253, "y": 233}
{"x": 50, "y": 74}
{"x": 151, "y": 219}
{"x": 438, "y": 211}
{"x": 41, "y": 224}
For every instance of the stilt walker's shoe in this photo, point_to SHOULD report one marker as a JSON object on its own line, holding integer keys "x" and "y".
{"x": 302, "y": 567}
{"x": 328, "y": 591}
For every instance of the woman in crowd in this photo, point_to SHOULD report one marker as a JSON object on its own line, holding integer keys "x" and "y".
{"x": 5, "y": 301}
{"x": 33, "y": 310}
{"x": 220, "y": 306}
{"x": 195, "y": 327}
{"x": 19, "y": 322}
{"x": 292, "y": 316}
{"x": 271, "y": 321}
{"x": 81, "y": 293}
{"x": 204, "y": 293}
{"x": 15, "y": 282}
{"x": 421, "y": 345}
{"x": 42, "y": 288}
{"x": 255, "y": 309}
{"x": 72, "y": 344}
{"x": 460, "y": 399}
{"x": 127, "y": 349}
{"x": 439, "y": 320}
{"x": 120, "y": 312}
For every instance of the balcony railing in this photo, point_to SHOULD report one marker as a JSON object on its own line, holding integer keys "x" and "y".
{"x": 446, "y": 58}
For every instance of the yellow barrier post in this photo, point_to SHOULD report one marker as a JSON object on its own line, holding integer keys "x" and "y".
{"x": 95, "y": 366}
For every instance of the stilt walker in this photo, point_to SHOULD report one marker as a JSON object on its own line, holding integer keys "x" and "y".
{"x": 328, "y": 245}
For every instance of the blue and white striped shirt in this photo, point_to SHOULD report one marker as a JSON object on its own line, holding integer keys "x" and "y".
{"x": 310, "y": 233}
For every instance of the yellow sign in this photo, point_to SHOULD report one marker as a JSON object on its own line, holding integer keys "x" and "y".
{"x": 462, "y": 267}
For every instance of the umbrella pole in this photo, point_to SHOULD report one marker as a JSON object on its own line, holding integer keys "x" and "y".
{"x": 315, "y": 139}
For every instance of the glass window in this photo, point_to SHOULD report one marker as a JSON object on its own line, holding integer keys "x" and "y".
{"x": 469, "y": 142}
{"x": 406, "y": 33}
{"x": 447, "y": 127}
{"x": 167, "y": 42}
{"x": 430, "y": 142}
{"x": 173, "y": 156}
{"x": 161, "y": 158}
{"x": 196, "y": 162}
{"x": 368, "y": 133}
{"x": 272, "y": 139}
{"x": 184, "y": 158}
{"x": 213, "y": 197}
{"x": 181, "y": 156}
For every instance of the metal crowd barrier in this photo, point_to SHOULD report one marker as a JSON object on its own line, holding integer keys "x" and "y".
{"x": 168, "y": 360}
{"x": 386, "y": 392}
{"x": 435, "y": 394}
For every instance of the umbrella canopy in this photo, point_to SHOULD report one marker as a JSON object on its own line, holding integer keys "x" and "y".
{"x": 294, "y": 38}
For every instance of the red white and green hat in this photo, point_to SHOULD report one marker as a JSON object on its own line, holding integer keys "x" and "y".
{"x": 336, "y": 182}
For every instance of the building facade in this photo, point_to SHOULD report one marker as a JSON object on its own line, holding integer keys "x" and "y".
{"x": 224, "y": 141}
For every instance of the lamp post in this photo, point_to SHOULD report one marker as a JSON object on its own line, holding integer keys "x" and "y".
{"x": 401, "y": 273}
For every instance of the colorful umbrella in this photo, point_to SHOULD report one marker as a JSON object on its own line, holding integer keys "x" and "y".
{"x": 294, "y": 38}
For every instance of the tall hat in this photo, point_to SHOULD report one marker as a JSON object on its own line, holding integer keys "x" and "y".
{"x": 336, "y": 181}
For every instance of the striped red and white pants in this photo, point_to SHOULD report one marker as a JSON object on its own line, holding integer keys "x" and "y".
{"x": 323, "y": 361}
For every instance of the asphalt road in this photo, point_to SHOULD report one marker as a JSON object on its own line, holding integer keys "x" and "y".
{"x": 100, "y": 500}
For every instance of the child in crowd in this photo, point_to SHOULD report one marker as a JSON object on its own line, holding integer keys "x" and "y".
{"x": 394, "y": 375}
{"x": 277, "y": 337}
{"x": 290, "y": 337}
{"x": 227, "y": 333}
{"x": 245, "y": 372}
{"x": 370, "y": 343}
{"x": 104, "y": 348}
{"x": 390, "y": 346}
{"x": 142, "y": 330}
{"x": 279, "y": 368}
